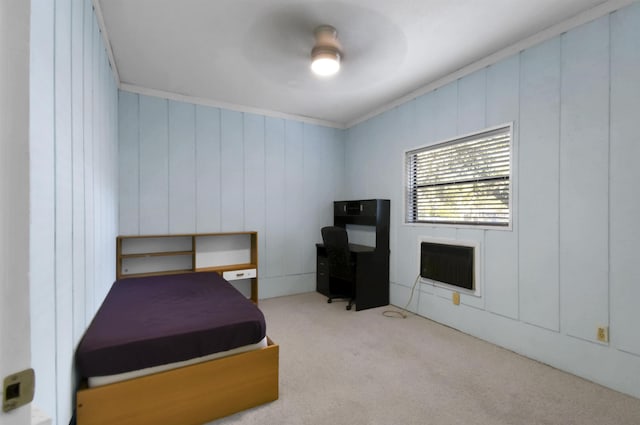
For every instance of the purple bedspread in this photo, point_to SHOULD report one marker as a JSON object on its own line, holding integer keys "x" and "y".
{"x": 151, "y": 321}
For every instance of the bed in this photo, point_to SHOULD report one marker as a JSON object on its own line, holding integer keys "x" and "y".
{"x": 174, "y": 349}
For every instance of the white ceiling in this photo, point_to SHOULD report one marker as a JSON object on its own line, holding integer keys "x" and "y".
{"x": 253, "y": 55}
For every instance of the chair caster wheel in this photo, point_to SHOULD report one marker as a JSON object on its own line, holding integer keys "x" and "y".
{"x": 329, "y": 301}
{"x": 348, "y": 307}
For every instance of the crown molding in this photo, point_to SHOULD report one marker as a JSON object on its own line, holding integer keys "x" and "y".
{"x": 97, "y": 10}
{"x": 224, "y": 105}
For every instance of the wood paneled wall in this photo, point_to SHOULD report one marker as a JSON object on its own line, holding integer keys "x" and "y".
{"x": 567, "y": 266}
{"x": 73, "y": 190}
{"x": 193, "y": 168}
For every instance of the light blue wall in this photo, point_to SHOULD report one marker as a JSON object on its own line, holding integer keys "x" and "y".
{"x": 190, "y": 168}
{"x": 73, "y": 191}
{"x": 568, "y": 266}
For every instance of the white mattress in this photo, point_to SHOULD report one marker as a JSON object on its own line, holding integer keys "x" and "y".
{"x": 96, "y": 381}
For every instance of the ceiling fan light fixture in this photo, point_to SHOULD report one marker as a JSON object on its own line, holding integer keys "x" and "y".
{"x": 325, "y": 55}
{"x": 325, "y": 62}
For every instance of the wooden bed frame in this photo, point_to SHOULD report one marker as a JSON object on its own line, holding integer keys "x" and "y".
{"x": 189, "y": 395}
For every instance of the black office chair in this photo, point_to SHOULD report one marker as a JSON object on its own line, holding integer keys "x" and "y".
{"x": 341, "y": 268}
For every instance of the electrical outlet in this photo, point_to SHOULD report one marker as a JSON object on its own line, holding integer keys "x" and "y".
{"x": 456, "y": 298}
{"x": 603, "y": 334}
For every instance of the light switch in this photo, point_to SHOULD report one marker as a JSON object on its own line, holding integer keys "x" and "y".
{"x": 18, "y": 389}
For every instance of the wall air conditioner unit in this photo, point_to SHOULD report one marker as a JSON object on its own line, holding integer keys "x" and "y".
{"x": 451, "y": 264}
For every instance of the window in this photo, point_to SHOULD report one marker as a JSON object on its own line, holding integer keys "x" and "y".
{"x": 461, "y": 181}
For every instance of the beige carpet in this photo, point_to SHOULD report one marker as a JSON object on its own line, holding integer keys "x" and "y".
{"x": 347, "y": 367}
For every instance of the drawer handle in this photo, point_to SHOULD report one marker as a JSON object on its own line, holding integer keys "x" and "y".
{"x": 239, "y": 274}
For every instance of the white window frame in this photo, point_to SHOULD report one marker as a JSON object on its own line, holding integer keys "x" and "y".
{"x": 452, "y": 140}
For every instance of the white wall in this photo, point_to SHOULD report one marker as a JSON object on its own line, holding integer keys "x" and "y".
{"x": 14, "y": 199}
{"x": 73, "y": 190}
{"x": 568, "y": 265}
{"x": 192, "y": 168}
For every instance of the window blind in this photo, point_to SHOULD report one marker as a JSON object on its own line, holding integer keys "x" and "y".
{"x": 463, "y": 181}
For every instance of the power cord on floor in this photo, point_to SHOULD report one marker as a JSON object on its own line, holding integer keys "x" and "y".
{"x": 395, "y": 314}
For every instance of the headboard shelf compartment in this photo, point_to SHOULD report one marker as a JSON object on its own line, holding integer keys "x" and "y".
{"x": 226, "y": 268}
{"x": 148, "y": 255}
{"x": 157, "y": 254}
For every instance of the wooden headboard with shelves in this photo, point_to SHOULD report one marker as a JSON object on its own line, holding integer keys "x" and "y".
{"x": 233, "y": 254}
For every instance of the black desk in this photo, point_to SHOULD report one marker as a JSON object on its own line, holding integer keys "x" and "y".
{"x": 372, "y": 275}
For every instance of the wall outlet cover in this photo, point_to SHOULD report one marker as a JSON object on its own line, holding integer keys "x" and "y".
{"x": 603, "y": 334}
{"x": 18, "y": 389}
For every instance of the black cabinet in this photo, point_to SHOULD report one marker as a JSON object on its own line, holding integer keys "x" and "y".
{"x": 364, "y": 212}
{"x": 372, "y": 263}
{"x": 322, "y": 271}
